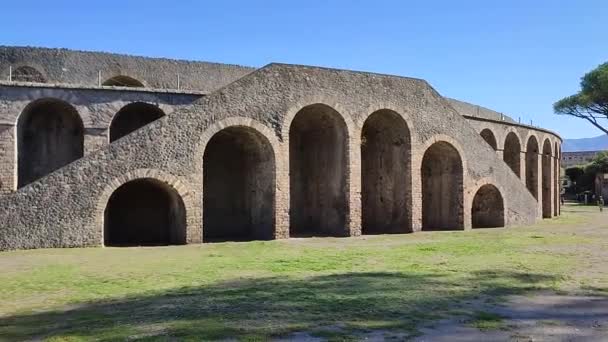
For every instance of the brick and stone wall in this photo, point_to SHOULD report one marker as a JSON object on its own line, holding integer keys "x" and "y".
{"x": 89, "y": 68}
{"x": 532, "y": 141}
{"x": 95, "y": 107}
{"x": 68, "y": 207}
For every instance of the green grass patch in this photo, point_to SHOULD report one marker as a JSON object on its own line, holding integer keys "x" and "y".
{"x": 335, "y": 288}
{"x": 487, "y": 321}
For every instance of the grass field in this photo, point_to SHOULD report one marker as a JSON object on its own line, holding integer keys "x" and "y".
{"x": 335, "y": 288}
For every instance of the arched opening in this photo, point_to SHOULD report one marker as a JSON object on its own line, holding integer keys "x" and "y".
{"x": 318, "y": 172}
{"x": 122, "y": 81}
{"x": 546, "y": 179}
{"x": 488, "y": 209}
{"x": 385, "y": 172}
{"x": 532, "y": 166}
{"x": 131, "y": 117}
{"x": 27, "y": 74}
{"x": 50, "y": 135}
{"x": 556, "y": 177}
{"x": 238, "y": 186}
{"x": 442, "y": 188}
{"x": 559, "y": 181}
{"x": 489, "y": 137}
{"x": 511, "y": 153}
{"x": 144, "y": 212}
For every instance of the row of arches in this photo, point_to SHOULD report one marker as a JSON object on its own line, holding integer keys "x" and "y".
{"x": 239, "y": 185}
{"x": 26, "y": 73}
{"x": 511, "y": 155}
{"x": 50, "y": 134}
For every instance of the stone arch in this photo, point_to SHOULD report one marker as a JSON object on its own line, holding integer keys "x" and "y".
{"x": 281, "y": 228}
{"x": 512, "y": 151}
{"x": 132, "y": 117}
{"x": 123, "y": 81}
{"x": 532, "y": 153}
{"x": 556, "y": 177}
{"x": 28, "y": 73}
{"x": 50, "y": 135}
{"x": 318, "y": 163}
{"x": 559, "y": 182}
{"x": 385, "y": 174}
{"x": 442, "y": 176}
{"x": 144, "y": 211}
{"x": 489, "y": 137}
{"x": 171, "y": 181}
{"x": 546, "y": 179}
{"x": 239, "y": 183}
{"x": 487, "y": 209}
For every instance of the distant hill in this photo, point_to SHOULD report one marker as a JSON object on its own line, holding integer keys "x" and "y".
{"x": 586, "y": 144}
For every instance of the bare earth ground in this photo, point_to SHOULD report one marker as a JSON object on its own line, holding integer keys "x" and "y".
{"x": 547, "y": 282}
{"x": 570, "y": 315}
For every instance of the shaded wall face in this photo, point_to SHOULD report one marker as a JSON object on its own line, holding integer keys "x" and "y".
{"x": 50, "y": 135}
{"x": 487, "y": 210}
{"x": 511, "y": 153}
{"x": 132, "y": 117}
{"x": 532, "y": 168}
{"x": 386, "y": 179}
{"x": 27, "y": 74}
{"x": 488, "y": 136}
{"x": 238, "y": 186}
{"x": 442, "y": 188}
{"x": 144, "y": 212}
{"x": 317, "y": 162}
{"x": 556, "y": 191}
{"x": 546, "y": 182}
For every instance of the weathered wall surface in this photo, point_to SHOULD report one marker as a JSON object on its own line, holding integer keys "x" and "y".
{"x": 83, "y": 68}
{"x": 524, "y": 134}
{"x": 472, "y": 110}
{"x": 67, "y": 207}
{"x": 96, "y": 108}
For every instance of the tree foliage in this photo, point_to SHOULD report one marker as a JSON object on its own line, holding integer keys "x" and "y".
{"x": 575, "y": 172}
{"x": 584, "y": 175}
{"x": 591, "y": 102}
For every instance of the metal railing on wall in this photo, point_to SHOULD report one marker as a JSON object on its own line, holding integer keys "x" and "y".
{"x": 503, "y": 117}
{"x": 25, "y": 77}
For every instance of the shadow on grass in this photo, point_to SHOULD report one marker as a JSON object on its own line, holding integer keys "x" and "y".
{"x": 273, "y": 307}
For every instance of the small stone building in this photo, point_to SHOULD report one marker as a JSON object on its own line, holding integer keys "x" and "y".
{"x": 601, "y": 186}
{"x": 104, "y": 149}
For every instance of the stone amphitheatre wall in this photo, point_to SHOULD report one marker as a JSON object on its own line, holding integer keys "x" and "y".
{"x": 271, "y": 129}
{"x": 92, "y": 68}
{"x": 533, "y": 153}
{"x": 95, "y": 108}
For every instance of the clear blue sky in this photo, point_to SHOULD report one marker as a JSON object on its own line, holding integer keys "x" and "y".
{"x": 517, "y": 57}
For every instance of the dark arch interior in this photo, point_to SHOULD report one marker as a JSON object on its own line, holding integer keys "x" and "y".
{"x": 133, "y": 116}
{"x": 556, "y": 182}
{"x": 28, "y": 74}
{"x": 238, "y": 186}
{"x": 511, "y": 153}
{"x": 144, "y": 212}
{"x": 385, "y": 171}
{"x": 50, "y": 135}
{"x": 442, "y": 188}
{"x": 488, "y": 209}
{"x": 122, "y": 81}
{"x": 546, "y": 179}
{"x": 318, "y": 167}
{"x": 532, "y": 166}
{"x": 489, "y": 137}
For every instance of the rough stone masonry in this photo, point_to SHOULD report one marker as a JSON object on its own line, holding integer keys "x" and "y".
{"x": 100, "y": 149}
